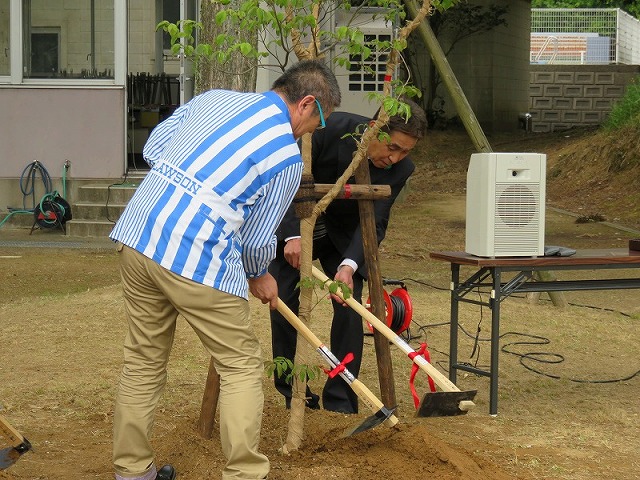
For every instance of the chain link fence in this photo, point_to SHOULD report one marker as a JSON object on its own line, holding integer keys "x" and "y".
{"x": 589, "y": 36}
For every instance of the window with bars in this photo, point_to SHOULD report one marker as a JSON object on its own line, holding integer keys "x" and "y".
{"x": 368, "y": 75}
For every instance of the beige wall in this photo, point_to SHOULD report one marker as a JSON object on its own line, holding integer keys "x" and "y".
{"x": 493, "y": 69}
{"x": 53, "y": 125}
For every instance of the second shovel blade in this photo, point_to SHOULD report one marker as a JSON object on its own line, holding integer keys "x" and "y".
{"x": 370, "y": 422}
{"x": 444, "y": 404}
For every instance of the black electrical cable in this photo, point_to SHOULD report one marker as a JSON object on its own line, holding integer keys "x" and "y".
{"x": 422, "y": 282}
{"x": 541, "y": 357}
{"x": 106, "y": 207}
{"x": 399, "y": 312}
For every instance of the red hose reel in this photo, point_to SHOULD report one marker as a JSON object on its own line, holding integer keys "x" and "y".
{"x": 398, "y": 307}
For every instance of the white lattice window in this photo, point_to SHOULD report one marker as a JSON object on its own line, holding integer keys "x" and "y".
{"x": 368, "y": 76}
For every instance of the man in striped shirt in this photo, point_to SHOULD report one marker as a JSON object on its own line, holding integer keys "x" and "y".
{"x": 197, "y": 236}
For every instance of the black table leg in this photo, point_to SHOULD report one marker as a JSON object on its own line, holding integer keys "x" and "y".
{"x": 495, "y": 341}
{"x": 453, "y": 326}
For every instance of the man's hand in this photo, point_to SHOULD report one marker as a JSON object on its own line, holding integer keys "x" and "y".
{"x": 344, "y": 275}
{"x": 292, "y": 251}
{"x": 265, "y": 289}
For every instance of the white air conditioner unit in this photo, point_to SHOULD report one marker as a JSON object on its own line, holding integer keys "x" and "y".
{"x": 506, "y": 204}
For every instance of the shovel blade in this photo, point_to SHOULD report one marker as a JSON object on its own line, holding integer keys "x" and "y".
{"x": 444, "y": 404}
{"x": 370, "y": 422}
{"x": 8, "y": 456}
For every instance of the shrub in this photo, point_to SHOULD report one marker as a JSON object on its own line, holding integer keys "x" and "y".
{"x": 626, "y": 111}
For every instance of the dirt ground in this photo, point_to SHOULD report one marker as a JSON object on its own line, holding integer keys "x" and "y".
{"x": 569, "y": 382}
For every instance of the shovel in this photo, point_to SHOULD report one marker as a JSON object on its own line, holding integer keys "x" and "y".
{"x": 381, "y": 413}
{"x": 20, "y": 445}
{"x": 450, "y": 401}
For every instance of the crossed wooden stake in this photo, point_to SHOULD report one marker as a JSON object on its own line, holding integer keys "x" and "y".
{"x": 365, "y": 194}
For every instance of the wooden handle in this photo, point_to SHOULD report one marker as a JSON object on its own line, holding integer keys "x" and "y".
{"x": 359, "y": 388}
{"x": 298, "y": 324}
{"x": 441, "y": 380}
{"x": 10, "y": 432}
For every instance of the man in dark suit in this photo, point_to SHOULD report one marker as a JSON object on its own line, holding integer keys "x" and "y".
{"x": 337, "y": 241}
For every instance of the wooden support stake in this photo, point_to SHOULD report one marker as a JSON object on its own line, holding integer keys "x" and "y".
{"x": 359, "y": 192}
{"x": 557, "y": 298}
{"x": 374, "y": 282}
{"x": 354, "y": 192}
{"x": 209, "y": 402}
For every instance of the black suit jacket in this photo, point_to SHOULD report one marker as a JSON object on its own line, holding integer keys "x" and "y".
{"x": 331, "y": 155}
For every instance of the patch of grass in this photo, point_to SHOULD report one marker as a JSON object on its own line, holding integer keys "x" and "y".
{"x": 626, "y": 111}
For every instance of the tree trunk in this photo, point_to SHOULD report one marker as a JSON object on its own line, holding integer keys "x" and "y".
{"x": 295, "y": 432}
{"x": 239, "y": 73}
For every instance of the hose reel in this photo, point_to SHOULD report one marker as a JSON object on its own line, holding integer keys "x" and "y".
{"x": 397, "y": 305}
{"x": 52, "y": 211}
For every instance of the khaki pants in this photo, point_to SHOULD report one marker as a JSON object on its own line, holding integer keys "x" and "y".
{"x": 153, "y": 299}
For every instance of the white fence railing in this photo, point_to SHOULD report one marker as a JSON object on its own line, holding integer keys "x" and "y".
{"x": 584, "y": 36}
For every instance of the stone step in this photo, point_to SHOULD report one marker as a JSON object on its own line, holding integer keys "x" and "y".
{"x": 97, "y": 211}
{"x": 89, "y": 228}
{"x": 99, "y": 206}
{"x": 111, "y": 193}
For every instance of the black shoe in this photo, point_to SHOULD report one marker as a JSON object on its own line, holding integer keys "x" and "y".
{"x": 166, "y": 473}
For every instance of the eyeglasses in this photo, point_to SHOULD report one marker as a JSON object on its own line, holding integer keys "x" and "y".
{"x": 322, "y": 122}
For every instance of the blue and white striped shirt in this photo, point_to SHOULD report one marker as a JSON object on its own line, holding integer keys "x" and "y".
{"x": 224, "y": 169}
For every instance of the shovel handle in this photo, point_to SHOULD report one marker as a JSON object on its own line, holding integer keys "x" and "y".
{"x": 441, "y": 380}
{"x": 359, "y": 388}
{"x": 10, "y": 432}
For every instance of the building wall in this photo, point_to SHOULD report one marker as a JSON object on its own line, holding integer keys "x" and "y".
{"x": 565, "y": 96}
{"x": 141, "y": 53}
{"x": 493, "y": 69}
{"x": 53, "y": 125}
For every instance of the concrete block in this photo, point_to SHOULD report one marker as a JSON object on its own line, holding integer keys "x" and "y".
{"x": 562, "y": 103}
{"x": 605, "y": 78}
{"x": 593, "y": 91}
{"x": 582, "y": 103}
{"x": 541, "y": 103}
{"x": 616, "y": 91}
{"x": 535, "y": 115}
{"x": 565, "y": 77}
{"x": 592, "y": 117}
{"x": 543, "y": 77}
{"x": 584, "y": 78}
{"x": 535, "y": 90}
{"x": 602, "y": 103}
{"x": 550, "y": 116}
{"x": 571, "y": 117}
{"x": 573, "y": 90}
{"x": 552, "y": 90}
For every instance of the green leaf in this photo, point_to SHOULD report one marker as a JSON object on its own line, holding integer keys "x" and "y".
{"x": 221, "y": 16}
{"x": 245, "y": 48}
